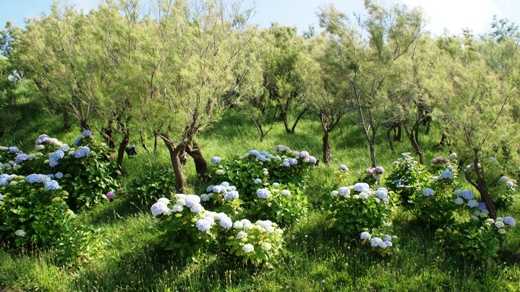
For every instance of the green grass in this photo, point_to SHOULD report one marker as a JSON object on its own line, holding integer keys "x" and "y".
{"x": 126, "y": 253}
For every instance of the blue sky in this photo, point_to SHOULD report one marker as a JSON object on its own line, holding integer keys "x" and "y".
{"x": 453, "y": 15}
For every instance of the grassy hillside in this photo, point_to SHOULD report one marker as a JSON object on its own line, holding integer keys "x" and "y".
{"x": 125, "y": 254}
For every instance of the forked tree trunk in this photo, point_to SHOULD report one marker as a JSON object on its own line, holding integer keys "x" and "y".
{"x": 327, "y": 151}
{"x": 175, "y": 152}
{"x": 372, "y": 151}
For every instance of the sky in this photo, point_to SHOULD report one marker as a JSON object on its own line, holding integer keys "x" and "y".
{"x": 442, "y": 15}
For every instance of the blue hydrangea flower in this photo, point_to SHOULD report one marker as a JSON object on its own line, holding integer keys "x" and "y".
{"x": 42, "y": 139}
{"x": 5, "y": 179}
{"x": 51, "y": 185}
{"x": 216, "y": 160}
{"x": 361, "y": 187}
{"x": 58, "y": 175}
{"x": 21, "y": 157}
{"x": 13, "y": 150}
{"x": 36, "y": 178}
{"x": 508, "y": 220}
{"x": 86, "y": 133}
{"x": 263, "y": 193}
{"x": 83, "y": 151}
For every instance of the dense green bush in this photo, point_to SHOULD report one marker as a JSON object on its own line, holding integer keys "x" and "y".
{"x": 407, "y": 179}
{"x": 33, "y": 210}
{"x": 285, "y": 204}
{"x": 477, "y": 240}
{"x": 356, "y": 208}
{"x": 153, "y": 182}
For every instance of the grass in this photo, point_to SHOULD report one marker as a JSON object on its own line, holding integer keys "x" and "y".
{"x": 126, "y": 253}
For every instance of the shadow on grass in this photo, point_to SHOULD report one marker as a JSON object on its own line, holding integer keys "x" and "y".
{"x": 112, "y": 212}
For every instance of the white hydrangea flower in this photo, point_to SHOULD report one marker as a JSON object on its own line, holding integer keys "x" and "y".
{"x": 343, "y": 168}
{"x": 334, "y": 193}
{"x": 192, "y": 200}
{"x": 382, "y": 193}
{"x": 177, "y": 208}
{"x": 196, "y": 208}
{"x": 364, "y": 195}
{"x": 180, "y": 199}
{"x": 459, "y": 201}
{"x": 205, "y": 197}
{"x": 20, "y": 233}
{"x": 376, "y": 242}
{"x": 276, "y": 184}
{"x": 267, "y": 225}
{"x": 241, "y": 234}
{"x": 266, "y": 246}
{"x": 361, "y": 187}
{"x": 204, "y": 224}
{"x": 285, "y": 193}
{"x": 499, "y": 224}
{"x": 473, "y": 204}
{"x": 224, "y": 221}
{"x": 365, "y": 235}
{"x": 263, "y": 193}
{"x": 344, "y": 191}
{"x": 160, "y": 208}
{"x": 257, "y": 181}
{"x": 248, "y": 248}
{"x": 231, "y": 195}
{"x": 502, "y": 231}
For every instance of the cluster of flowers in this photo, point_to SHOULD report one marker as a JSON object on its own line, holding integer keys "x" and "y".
{"x": 375, "y": 172}
{"x": 294, "y": 156}
{"x": 256, "y": 242}
{"x": 376, "y": 241}
{"x": 265, "y": 193}
{"x": 84, "y": 135}
{"x": 465, "y": 197}
{"x": 501, "y": 223}
{"x": 509, "y": 182}
{"x": 362, "y": 191}
{"x": 47, "y": 180}
{"x": 224, "y": 189}
{"x": 17, "y": 157}
{"x": 446, "y": 175}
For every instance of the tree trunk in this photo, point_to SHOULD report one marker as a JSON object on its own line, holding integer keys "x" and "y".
{"x": 298, "y": 118}
{"x": 327, "y": 155}
{"x": 121, "y": 149}
{"x": 66, "y": 120}
{"x": 176, "y": 162}
{"x": 398, "y": 134}
{"x": 155, "y": 143}
{"x": 143, "y": 143}
{"x": 201, "y": 166}
{"x": 372, "y": 150}
{"x": 482, "y": 186}
{"x": 108, "y": 135}
{"x": 390, "y": 138}
{"x": 285, "y": 119}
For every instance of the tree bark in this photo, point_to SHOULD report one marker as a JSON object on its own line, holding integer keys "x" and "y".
{"x": 372, "y": 150}
{"x": 121, "y": 149}
{"x": 201, "y": 166}
{"x": 327, "y": 155}
{"x": 174, "y": 152}
{"x": 298, "y": 118}
{"x": 482, "y": 186}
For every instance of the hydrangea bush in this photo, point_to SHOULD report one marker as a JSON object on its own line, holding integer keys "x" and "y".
{"x": 285, "y": 204}
{"x": 33, "y": 210}
{"x": 259, "y": 167}
{"x": 190, "y": 228}
{"x": 358, "y": 207}
{"x": 407, "y": 179}
{"x": 86, "y": 170}
{"x": 223, "y": 197}
{"x": 476, "y": 240}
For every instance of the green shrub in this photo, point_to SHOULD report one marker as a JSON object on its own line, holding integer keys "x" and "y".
{"x": 378, "y": 242}
{"x": 285, "y": 204}
{"x": 407, "y": 179}
{"x": 356, "y": 208}
{"x": 153, "y": 182}
{"x": 33, "y": 211}
{"x": 477, "y": 240}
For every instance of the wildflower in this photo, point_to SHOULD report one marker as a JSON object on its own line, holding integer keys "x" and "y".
{"x": 361, "y": 187}
{"x": 248, "y": 248}
{"x": 51, "y": 185}
{"x": 20, "y": 233}
{"x": 427, "y": 192}
{"x": 216, "y": 160}
{"x": 263, "y": 193}
{"x": 110, "y": 195}
{"x": 365, "y": 235}
{"x": 343, "y": 168}
{"x": 285, "y": 193}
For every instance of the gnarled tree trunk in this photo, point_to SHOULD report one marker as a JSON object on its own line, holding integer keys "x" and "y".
{"x": 327, "y": 152}
{"x": 175, "y": 158}
{"x": 201, "y": 166}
